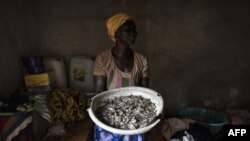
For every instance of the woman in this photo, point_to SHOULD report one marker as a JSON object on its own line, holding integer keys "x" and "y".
{"x": 119, "y": 67}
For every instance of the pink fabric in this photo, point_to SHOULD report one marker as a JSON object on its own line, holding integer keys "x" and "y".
{"x": 105, "y": 66}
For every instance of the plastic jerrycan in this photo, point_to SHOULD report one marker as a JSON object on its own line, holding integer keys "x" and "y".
{"x": 81, "y": 74}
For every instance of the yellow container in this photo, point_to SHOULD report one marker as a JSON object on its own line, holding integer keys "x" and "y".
{"x": 42, "y": 79}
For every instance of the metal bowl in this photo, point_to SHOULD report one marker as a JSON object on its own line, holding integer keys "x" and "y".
{"x": 126, "y": 91}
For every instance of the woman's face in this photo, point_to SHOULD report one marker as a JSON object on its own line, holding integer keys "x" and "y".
{"x": 126, "y": 33}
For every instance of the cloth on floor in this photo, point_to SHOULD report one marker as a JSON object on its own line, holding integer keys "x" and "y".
{"x": 11, "y": 126}
{"x": 186, "y": 137}
{"x": 173, "y": 125}
{"x": 42, "y": 106}
{"x": 67, "y": 105}
{"x": 195, "y": 132}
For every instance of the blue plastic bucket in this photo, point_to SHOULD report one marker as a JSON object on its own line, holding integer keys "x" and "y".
{"x": 208, "y": 118}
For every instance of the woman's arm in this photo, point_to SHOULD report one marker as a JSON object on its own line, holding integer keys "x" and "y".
{"x": 100, "y": 83}
{"x": 145, "y": 82}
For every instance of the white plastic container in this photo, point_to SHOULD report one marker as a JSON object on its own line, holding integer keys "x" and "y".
{"x": 126, "y": 91}
{"x": 57, "y": 64}
{"x": 81, "y": 74}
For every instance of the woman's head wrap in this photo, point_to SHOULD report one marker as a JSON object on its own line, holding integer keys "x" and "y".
{"x": 115, "y": 22}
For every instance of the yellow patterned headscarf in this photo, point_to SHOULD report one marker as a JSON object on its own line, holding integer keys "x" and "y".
{"x": 115, "y": 22}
